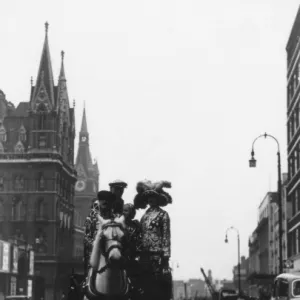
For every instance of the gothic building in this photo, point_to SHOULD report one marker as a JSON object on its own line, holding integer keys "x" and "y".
{"x": 38, "y": 176}
{"x": 86, "y": 187}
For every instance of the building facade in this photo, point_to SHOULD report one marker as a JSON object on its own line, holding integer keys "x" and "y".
{"x": 16, "y": 268}
{"x": 260, "y": 251}
{"x": 293, "y": 141}
{"x": 244, "y": 271}
{"x": 274, "y": 230}
{"x": 38, "y": 176}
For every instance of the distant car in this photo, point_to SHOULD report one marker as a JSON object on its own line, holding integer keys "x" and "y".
{"x": 17, "y": 297}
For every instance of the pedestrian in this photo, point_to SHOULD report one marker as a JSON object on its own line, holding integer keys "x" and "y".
{"x": 156, "y": 240}
{"x": 134, "y": 243}
{"x": 117, "y": 187}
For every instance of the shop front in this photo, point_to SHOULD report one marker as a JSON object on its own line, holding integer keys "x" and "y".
{"x": 16, "y": 269}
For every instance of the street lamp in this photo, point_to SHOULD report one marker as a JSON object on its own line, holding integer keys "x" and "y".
{"x": 239, "y": 257}
{"x": 252, "y": 164}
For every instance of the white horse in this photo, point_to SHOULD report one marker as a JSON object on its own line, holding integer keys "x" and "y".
{"x": 107, "y": 277}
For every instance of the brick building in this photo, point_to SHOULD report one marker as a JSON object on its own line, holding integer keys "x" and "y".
{"x": 37, "y": 175}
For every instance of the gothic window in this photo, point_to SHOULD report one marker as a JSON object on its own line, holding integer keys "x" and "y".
{"x": 41, "y": 121}
{"x": 22, "y": 134}
{"x": 18, "y": 209}
{"x": 41, "y": 241}
{"x": 3, "y": 135}
{"x": 1, "y": 183}
{"x": 41, "y": 181}
{"x": 41, "y": 208}
{"x": 2, "y": 214}
{"x": 19, "y": 183}
{"x": 19, "y": 147}
{"x": 1, "y": 148}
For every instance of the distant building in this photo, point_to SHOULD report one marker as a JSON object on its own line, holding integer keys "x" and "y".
{"x": 178, "y": 290}
{"x": 194, "y": 288}
{"x": 244, "y": 274}
{"x": 264, "y": 242}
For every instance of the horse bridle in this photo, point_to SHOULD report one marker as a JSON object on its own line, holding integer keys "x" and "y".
{"x": 105, "y": 252}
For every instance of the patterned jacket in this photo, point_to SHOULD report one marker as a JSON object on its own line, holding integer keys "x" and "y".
{"x": 156, "y": 233}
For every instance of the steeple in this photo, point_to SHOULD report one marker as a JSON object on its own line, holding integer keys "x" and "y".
{"x": 83, "y": 123}
{"x": 44, "y": 87}
{"x": 62, "y": 97}
{"x": 84, "y": 157}
{"x": 62, "y": 75}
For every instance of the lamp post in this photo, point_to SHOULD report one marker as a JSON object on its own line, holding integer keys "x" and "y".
{"x": 252, "y": 164}
{"x": 239, "y": 256}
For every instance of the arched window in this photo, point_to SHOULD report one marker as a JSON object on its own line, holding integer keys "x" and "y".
{"x": 2, "y": 213}
{"x": 18, "y": 209}
{"x": 1, "y": 148}
{"x": 22, "y": 134}
{"x": 19, "y": 147}
{"x": 1, "y": 183}
{"x": 41, "y": 209}
{"x": 3, "y": 136}
{"x": 41, "y": 241}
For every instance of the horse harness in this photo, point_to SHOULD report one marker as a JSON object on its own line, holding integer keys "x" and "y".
{"x": 105, "y": 252}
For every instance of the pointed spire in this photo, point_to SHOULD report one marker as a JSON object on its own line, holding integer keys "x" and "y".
{"x": 44, "y": 79}
{"x": 62, "y": 75}
{"x": 84, "y": 123}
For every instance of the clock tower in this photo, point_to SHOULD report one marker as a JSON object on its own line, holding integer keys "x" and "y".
{"x": 87, "y": 183}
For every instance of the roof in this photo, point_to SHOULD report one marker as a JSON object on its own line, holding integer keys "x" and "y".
{"x": 45, "y": 73}
{"x": 21, "y": 110}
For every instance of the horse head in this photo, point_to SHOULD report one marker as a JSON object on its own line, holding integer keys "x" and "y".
{"x": 107, "y": 276}
{"x": 112, "y": 240}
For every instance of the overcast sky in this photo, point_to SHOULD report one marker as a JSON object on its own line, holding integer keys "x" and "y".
{"x": 174, "y": 90}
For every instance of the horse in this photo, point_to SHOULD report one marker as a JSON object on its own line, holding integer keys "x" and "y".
{"x": 107, "y": 278}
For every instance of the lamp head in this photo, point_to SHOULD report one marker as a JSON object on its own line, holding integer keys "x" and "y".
{"x": 226, "y": 239}
{"x": 252, "y": 161}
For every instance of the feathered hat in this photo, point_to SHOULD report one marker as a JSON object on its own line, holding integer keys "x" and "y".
{"x": 146, "y": 188}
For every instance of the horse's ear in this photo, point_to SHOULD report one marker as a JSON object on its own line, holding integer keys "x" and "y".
{"x": 121, "y": 220}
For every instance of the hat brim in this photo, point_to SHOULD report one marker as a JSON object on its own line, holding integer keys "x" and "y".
{"x": 120, "y": 185}
{"x": 163, "y": 198}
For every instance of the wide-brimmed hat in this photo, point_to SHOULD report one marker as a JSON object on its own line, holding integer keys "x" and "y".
{"x": 147, "y": 189}
{"x": 118, "y": 183}
{"x": 106, "y": 195}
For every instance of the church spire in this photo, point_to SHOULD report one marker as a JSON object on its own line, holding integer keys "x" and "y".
{"x": 62, "y": 75}
{"x": 84, "y": 123}
{"x": 84, "y": 157}
{"x": 44, "y": 88}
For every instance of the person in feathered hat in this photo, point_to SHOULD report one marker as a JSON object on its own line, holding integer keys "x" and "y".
{"x": 156, "y": 238}
{"x": 117, "y": 187}
{"x": 101, "y": 205}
